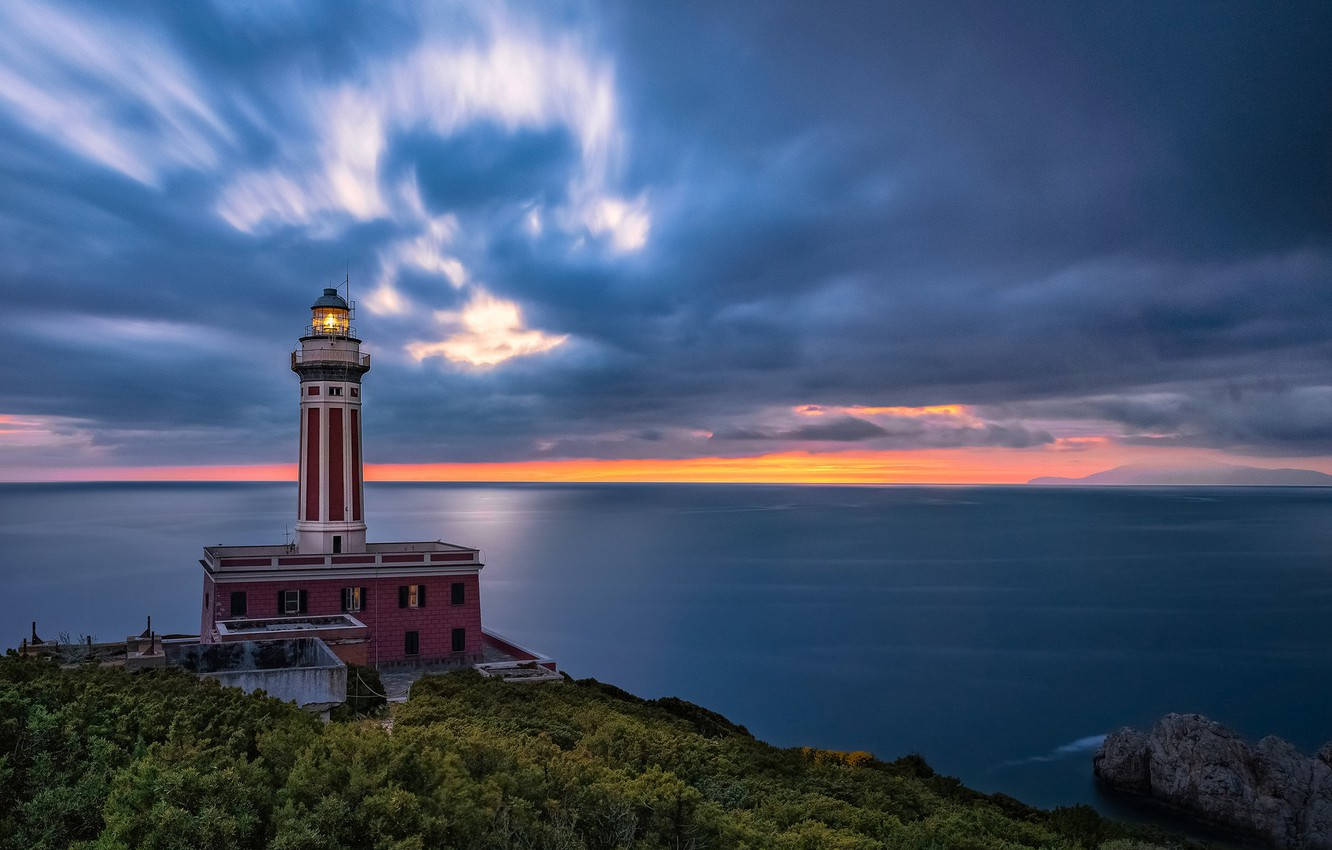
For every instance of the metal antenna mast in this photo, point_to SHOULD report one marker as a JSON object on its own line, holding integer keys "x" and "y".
{"x": 346, "y": 282}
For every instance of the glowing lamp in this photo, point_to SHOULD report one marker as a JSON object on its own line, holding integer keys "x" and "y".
{"x": 331, "y": 316}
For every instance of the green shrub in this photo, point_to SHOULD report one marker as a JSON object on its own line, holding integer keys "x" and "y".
{"x": 107, "y": 760}
{"x": 365, "y": 694}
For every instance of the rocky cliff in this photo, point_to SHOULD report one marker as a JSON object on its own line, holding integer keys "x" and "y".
{"x": 1199, "y": 767}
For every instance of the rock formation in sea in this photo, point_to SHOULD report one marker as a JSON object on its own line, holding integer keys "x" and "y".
{"x": 1199, "y": 767}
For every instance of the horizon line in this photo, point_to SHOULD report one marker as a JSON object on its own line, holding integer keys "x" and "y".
{"x": 938, "y": 467}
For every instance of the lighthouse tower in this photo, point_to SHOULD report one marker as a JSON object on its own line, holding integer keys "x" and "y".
{"x": 330, "y": 364}
{"x": 385, "y": 604}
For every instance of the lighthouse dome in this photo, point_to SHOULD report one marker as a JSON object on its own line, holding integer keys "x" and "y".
{"x": 330, "y": 298}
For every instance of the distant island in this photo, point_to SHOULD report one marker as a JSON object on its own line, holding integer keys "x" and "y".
{"x": 1212, "y": 475}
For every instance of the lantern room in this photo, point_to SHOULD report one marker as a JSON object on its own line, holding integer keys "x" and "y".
{"x": 331, "y": 315}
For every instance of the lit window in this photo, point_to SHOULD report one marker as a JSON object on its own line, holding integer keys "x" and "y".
{"x": 353, "y": 598}
{"x": 291, "y": 601}
{"x": 411, "y": 596}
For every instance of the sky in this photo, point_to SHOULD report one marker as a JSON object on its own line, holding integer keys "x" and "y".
{"x": 748, "y": 241}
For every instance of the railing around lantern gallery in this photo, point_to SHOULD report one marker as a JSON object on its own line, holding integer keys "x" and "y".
{"x": 332, "y": 332}
{"x": 329, "y": 355}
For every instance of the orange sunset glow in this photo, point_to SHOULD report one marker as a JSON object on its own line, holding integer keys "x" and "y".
{"x": 867, "y": 410}
{"x": 1071, "y": 457}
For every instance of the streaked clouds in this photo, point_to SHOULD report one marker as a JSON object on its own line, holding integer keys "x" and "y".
{"x": 108, "y": 90}
{"x": 1037, "y": 233}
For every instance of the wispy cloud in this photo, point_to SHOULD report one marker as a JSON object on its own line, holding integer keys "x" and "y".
{"x": 107, "y": 89}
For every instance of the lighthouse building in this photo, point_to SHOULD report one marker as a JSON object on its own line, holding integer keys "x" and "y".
{"x": 380, "y": 604}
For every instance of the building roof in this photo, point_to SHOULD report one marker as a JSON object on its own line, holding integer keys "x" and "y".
{"x": 387, "y": 558}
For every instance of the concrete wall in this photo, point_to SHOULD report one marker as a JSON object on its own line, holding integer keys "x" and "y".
{"x": 299, "y": 670}
{"x": 313, "y": 688}
{"x": 351, "y": 644}
{"x": 265, "y": 654}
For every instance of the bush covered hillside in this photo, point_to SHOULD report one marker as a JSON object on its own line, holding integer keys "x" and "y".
{"x": 100, "y": 758}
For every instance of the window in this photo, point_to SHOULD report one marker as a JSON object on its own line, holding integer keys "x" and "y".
{"x": 457, "y": 593}
{"x": 353, "y": 598}
{"x": 411, "y": 645}
{"x": 314, "y": 390}
{"x": 238, "y": 603}
{"x": 459, "y": 640}
{"x": 411, "y": 596}
{"x": 337, "y": 544}
{"x": 291, "y": 601}
{"x": 355, "y": 392}
{"x": 335, "y": 390}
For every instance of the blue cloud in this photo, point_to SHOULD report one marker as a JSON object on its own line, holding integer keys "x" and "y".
{"x": 716, "y": 211}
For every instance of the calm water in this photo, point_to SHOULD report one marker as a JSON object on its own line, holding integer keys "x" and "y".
{"x": 994, "y": 630}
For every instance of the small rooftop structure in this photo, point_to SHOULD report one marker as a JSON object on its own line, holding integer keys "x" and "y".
{"x": 273, "y": 627}
{"x": 524, "y": 672}
{"x": 503, "y": 659}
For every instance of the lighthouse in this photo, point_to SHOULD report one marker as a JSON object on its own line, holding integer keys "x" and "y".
{"x": 331, "y": 494}
{"x": 383, "y": 604}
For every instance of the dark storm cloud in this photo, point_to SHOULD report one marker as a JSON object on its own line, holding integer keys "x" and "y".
{"x": 487, "y": 165}
{"x": 842, "y": 429}
{"x": 1265, "y": 416}
{"x": 896, "y": 432}
{"x": 1058, "y": 213}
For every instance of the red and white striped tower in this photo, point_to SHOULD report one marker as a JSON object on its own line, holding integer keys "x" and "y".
{"x": 329, "y": 361}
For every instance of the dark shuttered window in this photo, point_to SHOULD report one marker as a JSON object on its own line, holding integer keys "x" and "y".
{"x": 459, "y": 640}
{"x": 238, "y": 603}
{"x": 411, "y": 644}
{"x": 457, "y": 593}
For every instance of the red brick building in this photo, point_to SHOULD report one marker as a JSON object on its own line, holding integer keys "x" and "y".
{"x": 372, "y": 603}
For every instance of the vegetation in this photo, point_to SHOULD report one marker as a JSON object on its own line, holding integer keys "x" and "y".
{"x": 365, "y": 694}
{"x": 99, "y": 758}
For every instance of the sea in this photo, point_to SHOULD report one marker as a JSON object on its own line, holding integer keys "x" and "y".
{"x": 1000, "y": 632}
